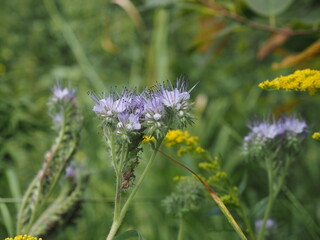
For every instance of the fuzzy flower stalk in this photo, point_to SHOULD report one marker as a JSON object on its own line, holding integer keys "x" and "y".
{"x": 126, "y": 118}
{"x": 37, "y": 216}
{"x": 275, "y": 144}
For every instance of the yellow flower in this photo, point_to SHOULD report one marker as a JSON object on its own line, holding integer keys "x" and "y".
{"x": 300, "y": 80}
{"x": 316, "y": 136}
{"x": 147, "y": 139}
{"x": 188, "y": 144}
{"x": 174, "y": 137}
{"x": 207, "y": 165}
{"x": 181, "y": 151}
{"x": 179, "y": 178}
{"x": 199, "y": 150}
{"x": 24, "y": 237}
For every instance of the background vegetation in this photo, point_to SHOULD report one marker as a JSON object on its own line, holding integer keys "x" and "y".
{"x": 226, "y": 46}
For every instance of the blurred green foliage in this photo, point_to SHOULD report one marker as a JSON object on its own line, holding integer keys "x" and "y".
{"x": 93, "y": 45}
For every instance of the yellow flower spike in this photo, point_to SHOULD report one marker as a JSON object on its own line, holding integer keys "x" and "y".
{"x": 192, "y": 141}
{"x": 300, "y": 80}
{"x": 181, "y": 151}
{"x": 23, "y": 237}
{"x": 221, "y": 175}
{"x": 179, "y": 178}
{"x": 316, "y": 136}
{"x": 226, "y": 198}
{"x": 206, "y": 165}
{"x": 199, "y": 150}
{"x": 147, "y": 139}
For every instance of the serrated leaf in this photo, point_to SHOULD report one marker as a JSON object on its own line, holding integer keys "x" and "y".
{"x": 132, "y": 234}
{"x": 268, "y": 7}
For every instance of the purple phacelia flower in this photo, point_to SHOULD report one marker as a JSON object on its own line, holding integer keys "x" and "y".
{"x": 129, "y": 122}
{"x": 109, "y": 107}
{"x": 292, "y": 125}
{"x": 270, "y": 224}
{"x": 62, "y": 93}
{"x": 105, "y": 106}
{"x": 70, "y": 172}
{"x": 175, "y": 97}
{"x": 285, "y": 133}
{"x": 263, "y": 130}
{"x": 153, "y": 108}
{"x": 157, "y": 110}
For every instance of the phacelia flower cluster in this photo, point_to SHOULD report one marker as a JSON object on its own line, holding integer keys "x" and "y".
{"x": 153, "y": 112}
{"x": 62, "y": 105}
{"x": 300, "y": 80}
{"x": 285, "y": 134}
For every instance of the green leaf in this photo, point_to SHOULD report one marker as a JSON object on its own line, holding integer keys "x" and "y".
{"x": 132, "y": 234}
{"x": 14, "y": 185}
{"x": 243, "y": 184}
{"x": 6, "y": 217}
{"x": 268, "y": 7}
{"x": 259, "y": 207}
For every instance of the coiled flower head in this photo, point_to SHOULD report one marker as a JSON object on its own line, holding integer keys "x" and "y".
{"x": 285, "y": 134}
{"x": 153, "y": 112}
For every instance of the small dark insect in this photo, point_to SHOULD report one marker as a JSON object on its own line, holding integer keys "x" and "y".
{"x": 127, "y": 176}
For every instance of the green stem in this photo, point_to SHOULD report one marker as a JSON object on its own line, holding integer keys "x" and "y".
{"x": 272, "y": 20}
{"x": 247, "y": 223}
{"x": 39, "y": 198}
{"x": 269, "y": 165}
{"x": 23, "y": 205}
{"x": 117, "y": 202}
{"x": 117, "y": 222}
{"x": 181, "y": 229}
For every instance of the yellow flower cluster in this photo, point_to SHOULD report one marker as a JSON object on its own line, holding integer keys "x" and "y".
{"x": 179, "y": 178}
{"x": 230, "y": 200}
{"x": 24, "y": 237}
{"x": 316, "y": 136}
{"x": 147, "y": 139}
{"x": 188, "y": 144}
{"x": 300, "y": 80}
{"x": 208, "y": 165}
{"x": 218, "y": 177}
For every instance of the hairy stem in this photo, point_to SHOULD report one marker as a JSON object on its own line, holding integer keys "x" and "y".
{"x": 181, "y": 229}
{"x": 272, "y": 195}
{"x": 117, "y": 222}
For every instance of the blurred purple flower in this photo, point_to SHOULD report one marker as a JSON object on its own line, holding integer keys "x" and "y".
{"x": 70, "y": 172}
{"x": 292, "y": 125}
{"x": 263, "y": 130}
{"x": 61, "y": 93}
{"x": 270, "y": 224}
